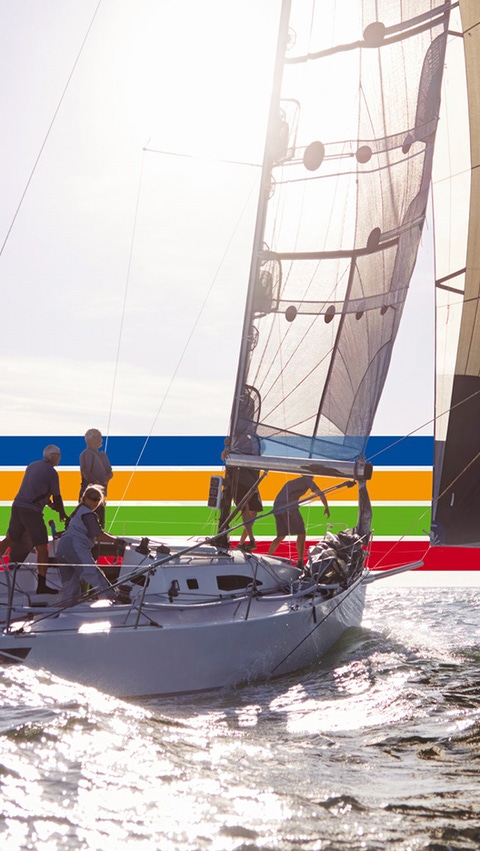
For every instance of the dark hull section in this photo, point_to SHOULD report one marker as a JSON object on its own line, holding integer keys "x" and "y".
{"x": 457, "y": 516}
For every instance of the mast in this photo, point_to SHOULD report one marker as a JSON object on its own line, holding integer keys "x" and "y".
{"x": 268, "y": 158}
{"x": 265, "y": 187}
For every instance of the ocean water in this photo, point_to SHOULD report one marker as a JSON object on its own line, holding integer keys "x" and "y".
{"x": 377, "y": 747}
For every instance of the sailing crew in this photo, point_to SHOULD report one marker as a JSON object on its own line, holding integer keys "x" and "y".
{"x": 244, "y": 479}
{"x": 288, "y": 519}
{"x": 40, "y": 487}
{"x": 74, "y": 550}
{"x": 95, "y": 468}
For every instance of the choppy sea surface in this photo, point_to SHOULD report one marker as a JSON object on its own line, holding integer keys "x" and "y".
{"x": 377, "y": 747}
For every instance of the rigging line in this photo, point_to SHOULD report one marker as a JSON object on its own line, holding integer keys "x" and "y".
{"x": 184, "y": 350}
{"x": 322, "y": 621}
{"x": 457, "y": 477}
{"x": 392, "y": 549}
{"x": 427, "y": 510}
{"x": 200, "y": 157}
{"x": 50, "y": 127}
{"x": 425, "y": 424}
{"x": 125, "y": 295}
{"x": 451, "y": 176}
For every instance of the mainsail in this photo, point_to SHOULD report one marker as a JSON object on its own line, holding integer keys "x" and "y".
{"x": 345, "y": 186}
{"x": 456, "y": 511}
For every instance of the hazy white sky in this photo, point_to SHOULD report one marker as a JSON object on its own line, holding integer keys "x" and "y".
{"x": 115, "y": 250}
{"x": 124, "y": 272}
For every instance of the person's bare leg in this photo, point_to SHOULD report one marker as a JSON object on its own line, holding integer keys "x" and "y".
{"x": 42, "y": 566}
{"x": 300, "y": 548}
{"x": 5, "y": 544}
{"x": 247, "y": 531}
{"x": 251, "y": 517}
{"x": 275, "y": 543}
{"x": 243, "y": 536}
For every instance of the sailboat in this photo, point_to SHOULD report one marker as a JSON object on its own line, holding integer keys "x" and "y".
{"x": 345, "y": 185}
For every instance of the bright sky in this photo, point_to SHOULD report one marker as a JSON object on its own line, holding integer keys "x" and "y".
{"x": 124, "y": 272}
{"x": 187, "y": 77}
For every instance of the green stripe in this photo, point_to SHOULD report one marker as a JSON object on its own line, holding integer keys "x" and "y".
{"x": 165, "y": 521}
{"x": 198, "y": 520}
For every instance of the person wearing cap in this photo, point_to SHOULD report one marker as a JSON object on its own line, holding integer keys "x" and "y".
{"x": 74, "y": 549}
{"x": 95, "y": 468}
{"x": 40, "y": 487}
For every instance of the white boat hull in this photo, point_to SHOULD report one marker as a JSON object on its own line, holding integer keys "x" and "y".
{"x": 199, "y": 573}
{"x": 189, "y": 649}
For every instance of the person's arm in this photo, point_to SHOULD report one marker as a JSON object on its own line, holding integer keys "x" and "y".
{"x": 57, "y": 505}
{"x": 87, "y": 467}
{"x": 106, "y": 538}
{"x": 84, "y": 467}
{"x": 323, "y": 498}
{"x": 108, "y": 467}
{"x": 56, "y": 502}
{"x": 95, "y": 531}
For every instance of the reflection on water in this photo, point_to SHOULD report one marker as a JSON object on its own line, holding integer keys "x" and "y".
{"x": 377, "y": 746}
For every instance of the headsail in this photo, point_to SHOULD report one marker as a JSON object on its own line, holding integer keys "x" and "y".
{"x": 457, "y": 439}
{"x": 345, "y": 188}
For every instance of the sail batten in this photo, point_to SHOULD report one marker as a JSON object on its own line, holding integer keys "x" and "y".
{"x": 345, "y": 187}
{"x": 378, "y": 34}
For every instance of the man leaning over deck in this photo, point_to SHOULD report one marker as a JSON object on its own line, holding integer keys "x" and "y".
{"x": 288, "y": 519}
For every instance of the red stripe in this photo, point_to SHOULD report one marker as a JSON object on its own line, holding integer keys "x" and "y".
{"x": 387, "y": 554}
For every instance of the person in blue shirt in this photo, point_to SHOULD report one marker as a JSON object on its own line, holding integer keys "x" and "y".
{"x": 26, "y": 530}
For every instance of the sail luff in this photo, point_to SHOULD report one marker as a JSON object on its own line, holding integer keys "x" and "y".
{"x": 262, "y": 202}
{"x": 227, "y": 492}
{"x": 456, "y": 510}
{"x": 468, "y": 362}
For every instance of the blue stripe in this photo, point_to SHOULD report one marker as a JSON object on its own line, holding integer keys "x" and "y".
{"x": 173, "y": 451}
{"x": 122, "y": 451}
{"x": 400, "y": 451}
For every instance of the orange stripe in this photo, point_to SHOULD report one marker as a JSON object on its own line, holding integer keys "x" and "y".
{"x": 192, "y": 486}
